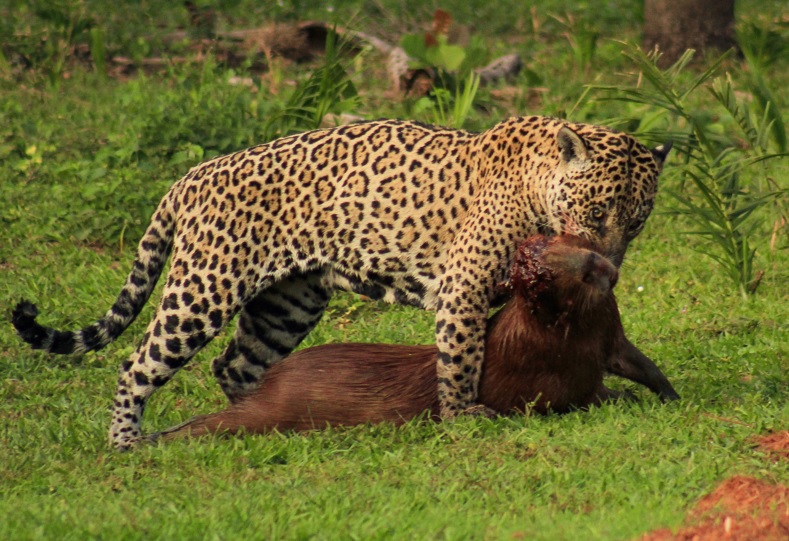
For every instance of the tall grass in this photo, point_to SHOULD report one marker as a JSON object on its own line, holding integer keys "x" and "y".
{"x": 727, "y": 208}
{"x": 328, "y": 89}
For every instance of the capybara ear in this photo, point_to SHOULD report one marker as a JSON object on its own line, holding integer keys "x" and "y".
{"x": 599, "y": 272}
{"x": 503, "y": 288}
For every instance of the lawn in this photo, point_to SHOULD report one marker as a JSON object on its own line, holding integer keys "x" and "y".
{"x": 87, "y": 149}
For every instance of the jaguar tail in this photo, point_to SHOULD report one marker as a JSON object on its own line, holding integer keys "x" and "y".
{"x": 152, "y": 253}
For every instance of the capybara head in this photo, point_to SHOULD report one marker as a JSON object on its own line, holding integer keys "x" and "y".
{"x": 561, "y": 274}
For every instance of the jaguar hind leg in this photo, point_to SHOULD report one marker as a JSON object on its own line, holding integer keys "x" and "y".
{"x": 269, "y": 327}
{"x": 172, "y": 338}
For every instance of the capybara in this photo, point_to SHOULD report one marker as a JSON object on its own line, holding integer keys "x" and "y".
{"x": 547, "y": 348}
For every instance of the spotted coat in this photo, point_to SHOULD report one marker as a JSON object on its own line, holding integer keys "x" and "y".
{"x": 395, "y": 210}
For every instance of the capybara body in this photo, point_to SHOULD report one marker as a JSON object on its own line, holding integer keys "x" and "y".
{"x": 548, "y": 348}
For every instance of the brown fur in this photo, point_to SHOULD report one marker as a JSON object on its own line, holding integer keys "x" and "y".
{"x": 549, "y": 346}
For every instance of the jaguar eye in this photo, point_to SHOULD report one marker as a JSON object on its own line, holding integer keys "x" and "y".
{"x": 597, "y": 213}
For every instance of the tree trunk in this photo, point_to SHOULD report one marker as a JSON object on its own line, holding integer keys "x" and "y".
{"x": 673, "y": 26}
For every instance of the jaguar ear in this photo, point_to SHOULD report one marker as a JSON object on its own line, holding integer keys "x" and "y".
{"x": 571, "y": 145}
{"x": 661, "y": 151}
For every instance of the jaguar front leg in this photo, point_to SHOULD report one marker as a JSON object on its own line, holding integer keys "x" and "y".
{"x": 460, "y": 337}
{"x": 476, "y": 265}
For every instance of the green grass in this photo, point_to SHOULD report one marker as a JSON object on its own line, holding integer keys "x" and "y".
{"x": 85, "y": 160}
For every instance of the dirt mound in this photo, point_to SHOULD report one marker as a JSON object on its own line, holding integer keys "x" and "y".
{"x": 740, "y": 509}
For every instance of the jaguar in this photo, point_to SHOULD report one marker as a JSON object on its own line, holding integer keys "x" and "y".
{"x": 392, "y": 209}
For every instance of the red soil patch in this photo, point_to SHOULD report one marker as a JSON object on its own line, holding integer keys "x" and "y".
{"x": 740, "y": 509}
{"x": 775, "y": 445}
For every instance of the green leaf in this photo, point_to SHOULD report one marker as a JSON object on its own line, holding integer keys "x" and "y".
{"x": 445, "y": 56}
{"x": 414, "y": 46}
